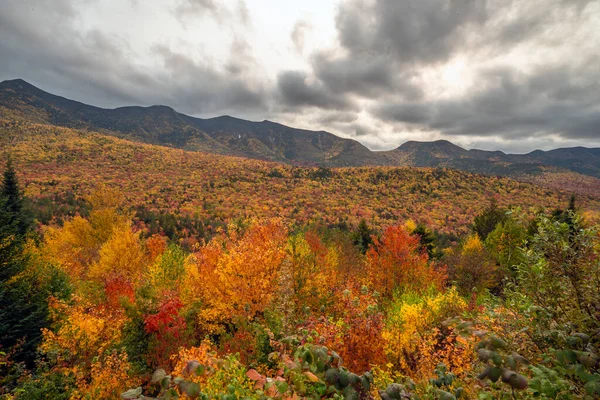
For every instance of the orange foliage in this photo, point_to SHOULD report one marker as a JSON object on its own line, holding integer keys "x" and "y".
{"x": 236, "y": 275}
{"x": 156, "y": 245}
{"x": 118, "y": 288}
{"x": 356, "y": 335}
{"x": 395, "y": 261}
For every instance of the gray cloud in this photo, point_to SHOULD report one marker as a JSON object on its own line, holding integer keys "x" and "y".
{"x": 385, "y": 44}
{"x": 294, "y": 90}
{"x": 533, "y": 68}
{"x": 192, "y": 8}
{"x": 40, "y": 43}
{"x": 189, "y": 10}
{"x": 551, "y": 100}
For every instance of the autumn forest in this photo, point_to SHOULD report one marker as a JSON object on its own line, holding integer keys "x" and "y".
{"x": 136, "y": 271}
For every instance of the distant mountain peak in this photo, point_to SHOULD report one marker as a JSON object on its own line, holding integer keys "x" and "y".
{"x": 268, "y": 140}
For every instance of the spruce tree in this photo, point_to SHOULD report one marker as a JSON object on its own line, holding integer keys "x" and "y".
{"x": 362, "y": 236}
{"x": 23, "y": 307}
{"x": 486, "y": 222}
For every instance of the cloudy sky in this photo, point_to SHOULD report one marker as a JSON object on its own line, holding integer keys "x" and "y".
{"x": 513, "y": 75}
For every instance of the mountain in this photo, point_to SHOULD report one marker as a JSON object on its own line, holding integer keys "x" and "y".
{"x": 271, "y": 141}
{"x": 162, "y": 125}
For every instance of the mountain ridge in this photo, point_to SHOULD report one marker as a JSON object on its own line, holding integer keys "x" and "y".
{"x": 272, "y": 141}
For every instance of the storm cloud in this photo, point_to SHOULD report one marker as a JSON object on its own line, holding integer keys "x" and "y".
{"x": 499, "y": 74}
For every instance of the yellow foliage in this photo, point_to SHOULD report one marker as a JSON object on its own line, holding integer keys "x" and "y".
{"x": 236, "y": 275}
{"x": 85, "y": 333}
{"x": 122, "y": 255}
{"x": 311, "y": 272}
{"x": 410, "y": 225}
{"x": 414, "y": 340}
{"x": 107, "y": 212}
{"x": 73, "y": 247}
{"x": 473, "y": 244}
{"x": 109, "y": 378}
{"x": 201, "y": 354}
{"x": 77, "y": 245}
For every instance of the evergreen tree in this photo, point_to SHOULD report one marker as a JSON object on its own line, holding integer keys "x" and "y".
{"x": 362, "y": 236}
{"x": 484, "y": 223}
{"x": 16, "y": 220}
{"x": 23, "y": 296}
{"x": 427, "y": 239}
{"x": 12, "y": 225}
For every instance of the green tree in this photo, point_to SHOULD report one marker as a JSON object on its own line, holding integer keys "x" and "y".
{"x": 561, "y": 272}
{"x": 25, "y": 283}
{"x": 362, "y": 237}
{"x": 484, "y": 223}
{"x": 428, "y": 241}
{"x": 505, "y": 244}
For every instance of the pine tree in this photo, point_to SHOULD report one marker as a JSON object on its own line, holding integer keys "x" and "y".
{"x": 15, "y": 219}
{"x": 12, "y": 228}
{"x": 362, "y": 236}
{"x": 486, "y": 222}
{"x": 427, "y": 239}
{"x": 23, "y": 307}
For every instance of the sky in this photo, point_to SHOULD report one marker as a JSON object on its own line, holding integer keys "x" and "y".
{"x": 511, "y": 75}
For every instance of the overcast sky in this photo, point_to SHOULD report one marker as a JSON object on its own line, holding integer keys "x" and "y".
{"x": 498, "y": 74}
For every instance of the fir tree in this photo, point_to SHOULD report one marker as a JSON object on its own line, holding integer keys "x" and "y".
{"x": 362, "y": 236}
{"x": 484, "y": 223}
{"x": 23, "y": 298}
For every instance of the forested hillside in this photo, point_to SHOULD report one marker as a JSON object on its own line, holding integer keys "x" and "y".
{"x": 183, "y": 191}
{"x": 575, "y": 169}
{"x": 137, "y": 271}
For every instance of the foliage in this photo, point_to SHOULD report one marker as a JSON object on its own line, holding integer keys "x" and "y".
{"x": 472, "y": 269}
{"x": 561, "y": 273}
{"x": 236, "y": 274}
{"x": 416, "y": 338}
{"x": 505, "y": 244}
{"x": 23, "y": 290}
{"x": 229, "y": 306}
{"x": 396, "y": 262}
{"x": 490, "y": 217}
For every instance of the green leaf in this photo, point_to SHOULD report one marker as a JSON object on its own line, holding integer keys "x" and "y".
{"x": 592, "y": 388}
{"x": 192, "y": 390}
{"x": 494, "y": 374}
{"x": 281, "y": 386}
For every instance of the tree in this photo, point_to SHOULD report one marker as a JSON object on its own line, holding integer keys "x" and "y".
{"x": 427, "y": 239}
{"x": 473, "y": 269}
{"x": 504, "y": 244}
{"x": 396, "y": 262}
{"x": 23, "y": 292}
{"x": 561, "y": 272}
{"x": 484, "y": 223}
{"x": 18, "y": 221}
{"x": 362, "y": 236}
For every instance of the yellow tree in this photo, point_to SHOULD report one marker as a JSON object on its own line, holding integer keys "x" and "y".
{"x": 76, "y": 246}
{"x": 120, "y": 256}
{"x": 236, "y": 275}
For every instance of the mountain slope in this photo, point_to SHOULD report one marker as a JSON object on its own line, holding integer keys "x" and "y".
{"x": 271, "y": 141}
{"x": 57, "y": 165}
{"x": 164, "y": 126}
